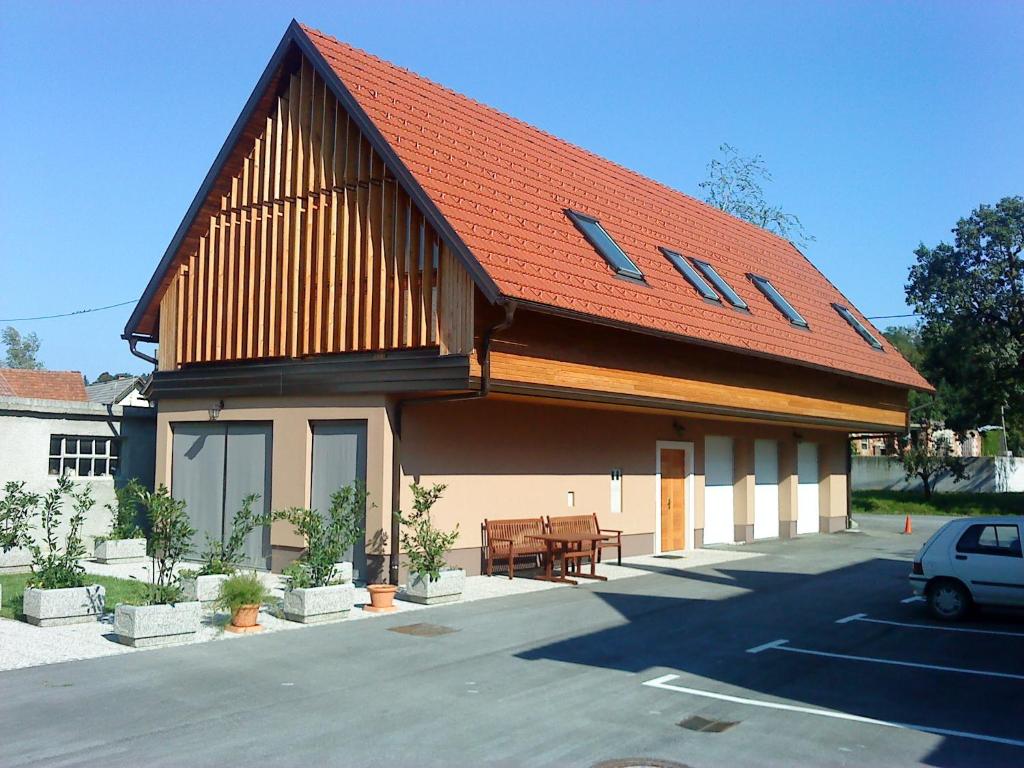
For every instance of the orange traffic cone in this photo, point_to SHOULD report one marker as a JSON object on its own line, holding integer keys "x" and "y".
{"x": 907, "y": 526}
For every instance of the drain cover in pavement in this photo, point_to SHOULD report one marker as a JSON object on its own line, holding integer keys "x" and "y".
{"x": 639, "y": 762}
{"x": 423, "y": 630}
{"x": 669, "y": 557}
{"x": 702, "y": 724}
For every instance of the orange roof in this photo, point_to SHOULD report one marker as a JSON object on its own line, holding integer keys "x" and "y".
{"x": 42, "y": 385}
{"x": 504, "y": 186}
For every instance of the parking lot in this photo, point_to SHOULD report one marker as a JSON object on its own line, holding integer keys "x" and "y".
{"x": 884, "y": 673}
{"x": 809, "y": 654}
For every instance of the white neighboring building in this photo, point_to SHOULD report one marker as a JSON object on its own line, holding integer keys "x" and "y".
{"x": 44, "y": 437}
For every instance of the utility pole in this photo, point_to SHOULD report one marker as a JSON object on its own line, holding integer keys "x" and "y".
{"x": 1002, "y": 421}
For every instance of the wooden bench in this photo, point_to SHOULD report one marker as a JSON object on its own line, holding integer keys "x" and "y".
{"x": 587, "y": 524}
{"x": 507, "y": 540}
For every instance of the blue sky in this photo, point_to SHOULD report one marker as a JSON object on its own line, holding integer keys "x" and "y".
{"x": 882, "y": 123}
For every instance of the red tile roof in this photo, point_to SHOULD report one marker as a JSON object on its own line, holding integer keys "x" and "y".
{"x": 42, "y": 385}
{"x": 503, "y": 185}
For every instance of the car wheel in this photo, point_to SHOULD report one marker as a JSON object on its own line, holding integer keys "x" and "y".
{"x": 948, "y": 600}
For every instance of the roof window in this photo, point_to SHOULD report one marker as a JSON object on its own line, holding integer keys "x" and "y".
{"x": 719, "y": 283}
{"x": 694, "y": 279}
{"x": 776, "y": 298}
{"x": 603, "y": 243}
{"x": 858, "y": 326}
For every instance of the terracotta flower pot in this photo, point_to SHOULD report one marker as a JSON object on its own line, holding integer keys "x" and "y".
{"x": 245, "y": 618}
{"x": 382, "y": 598}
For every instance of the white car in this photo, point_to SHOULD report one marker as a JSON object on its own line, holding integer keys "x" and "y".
{"x": 974, "y": 561}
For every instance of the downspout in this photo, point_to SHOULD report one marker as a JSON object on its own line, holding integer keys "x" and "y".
{"x": 132, "y": 341}
{"x": 485, "y": 388}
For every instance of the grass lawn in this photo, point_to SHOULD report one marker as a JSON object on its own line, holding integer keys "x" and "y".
{"x": 118, "y": 591}
{"x": 953, "y": 504}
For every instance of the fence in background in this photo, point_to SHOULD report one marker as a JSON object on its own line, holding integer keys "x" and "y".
{"x": 985, "y": 474}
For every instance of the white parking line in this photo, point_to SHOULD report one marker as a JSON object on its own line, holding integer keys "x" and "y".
{"x": 913, "y": 599}
{"x": 783, "y": 645}
{"x": 664, "y": 683}
{"x": 941, "y": 627}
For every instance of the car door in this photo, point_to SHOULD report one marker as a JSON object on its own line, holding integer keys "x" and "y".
{"x": 987, "y": 557}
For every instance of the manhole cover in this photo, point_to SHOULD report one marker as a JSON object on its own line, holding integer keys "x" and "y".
{"x": 702, "y": 724}
{"x": 639, "y": 762}
{"x": 423, "y": 630}
{"x": 669, "y": 557}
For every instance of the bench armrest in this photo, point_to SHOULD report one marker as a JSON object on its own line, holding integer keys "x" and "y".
{"x": 609, "y": 530}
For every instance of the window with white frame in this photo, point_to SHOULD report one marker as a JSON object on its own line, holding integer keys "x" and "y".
{"x": 83, "y": 456}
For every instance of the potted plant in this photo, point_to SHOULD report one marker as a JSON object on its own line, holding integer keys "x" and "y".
{"x": 126, "y": 543}
{"x": 382, "y": 598}
{"x": 220, "y": 558}
{"x": 242, "y": 595}
{"x": 161, "y": 617}
{"x": 16, "y": 509}
{"x": 431, "y": 581}
{"x": 315, "y": 592}
{"x": 57, "y": 592}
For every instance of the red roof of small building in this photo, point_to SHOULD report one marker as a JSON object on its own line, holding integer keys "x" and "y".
{"x": 504, "y": 186}
{"x": 42, "y": 385}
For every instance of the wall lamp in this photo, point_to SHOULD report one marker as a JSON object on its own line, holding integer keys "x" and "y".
{"x": 216, "y": 409}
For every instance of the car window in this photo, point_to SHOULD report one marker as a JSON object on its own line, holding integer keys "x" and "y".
{"x": 991, "y": 540}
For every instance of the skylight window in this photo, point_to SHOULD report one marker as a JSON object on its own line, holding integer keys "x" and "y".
{"x": 721, "y": 286}
{"x": 687, "y": 271}
{"x": 603, "y": 243}
{"x": 776, "y": 298}
{"x": 858, "y": 326}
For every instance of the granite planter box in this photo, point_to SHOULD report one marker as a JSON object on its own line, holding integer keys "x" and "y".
{"x": 16, "y": 561}
{"x": 144, "y": 626}
{"x": 446, "y": 588}
{"x": 55, "y": 607}
{"x": 121, "y": 551}
{"x": 205, "y": 589}
{"x": 313, "y": 605}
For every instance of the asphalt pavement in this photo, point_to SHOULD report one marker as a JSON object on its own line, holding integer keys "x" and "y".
{"x": 809, "y": 655}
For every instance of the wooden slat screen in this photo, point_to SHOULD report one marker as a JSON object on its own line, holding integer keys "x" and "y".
{"x": 315, "y": 250}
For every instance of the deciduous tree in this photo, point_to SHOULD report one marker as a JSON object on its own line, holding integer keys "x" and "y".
{"x": 734, "y": 185}
{"x": 970, "y": 296}
{"x": 22, "y": 351}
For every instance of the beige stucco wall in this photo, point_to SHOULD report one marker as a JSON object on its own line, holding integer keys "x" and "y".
{"x": 514, "y": 459}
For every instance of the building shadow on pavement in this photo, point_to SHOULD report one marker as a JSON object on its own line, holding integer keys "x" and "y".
{"x": 701, "y": 623}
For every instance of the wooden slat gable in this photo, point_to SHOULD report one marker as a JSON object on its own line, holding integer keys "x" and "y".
{"x": 315, "y": 249}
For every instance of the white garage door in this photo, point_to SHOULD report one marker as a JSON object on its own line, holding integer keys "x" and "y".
{"x": 807, "y": 489}
{"x": 766, "y": 489}
{"x": 718, "y": 480}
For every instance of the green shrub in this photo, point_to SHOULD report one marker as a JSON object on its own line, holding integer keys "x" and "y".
{"x": 242, "y": 589}
{"x": 425, "y": 545}
{"x": 16, "y": 510}
{"x": 222, "y": 557}
{"x": 125, "y": 524}
{"x": 53, "y": 567}
{"x": 169, "y": 540}
{"x": 328, "y": 537}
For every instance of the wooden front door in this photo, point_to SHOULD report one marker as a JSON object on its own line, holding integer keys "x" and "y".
{"x": 673, "y": 499}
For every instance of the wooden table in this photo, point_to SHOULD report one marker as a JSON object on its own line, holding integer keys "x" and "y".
{"x": 567, "y": 543}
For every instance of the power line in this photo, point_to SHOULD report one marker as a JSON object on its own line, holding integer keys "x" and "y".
{"x": 891, "y": 317}
{"x": 133, "y": 301}
{"x": 66, "y": 314}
